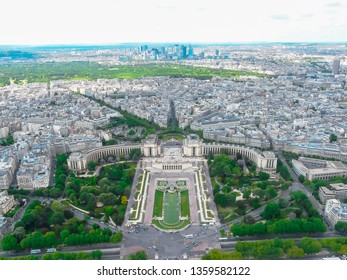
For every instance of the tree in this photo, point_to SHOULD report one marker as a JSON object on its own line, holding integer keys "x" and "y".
{"x": 9, "y": 243}
{"x": 236, "y": 171}
{"x": 271, "y": 192}
{"x": 140, "y": 255}
{"x": 127, "y": 191}
{"x": 92, "y": 166}
{"x": 115, "y": 174}
{"x": 87, "y": 199}
{"x": 227, "y": 171}
{"x": 108, "y": 198}
{"x": 295, "y": 252}
{"x": 333, "y": 138}
{"x": 226, "y": 189}
{"x": 28, "y": 219}
{"x": 109, "y": 210}
{"x": 225, "y": 200}
{"x": 64, "y": 234}
{"x": 96, "y": 255}
{"x": 271, "y": 211}
{"x": 124, "y": 200}
{"x": 249, "y": 219}
{"x": 302, "y": 178}
{"x": 33, "y": 240}
{"x": 263, "y": 176}
{"x": 216, "y": 254}
{"x": 19, "y": 233}
{"x": 57, "y": 218}
{"x": 68, "y": 214}
{"x": 252, "y": 168}
{"x": 117, "y": 237}
{"x": 246, "y": 193}
{"x": 255, "y": 203}
{"x": 310, "y": 245}
{"x": 50, "y": 239}
{"x": 104, "y": 182}
{"x": 282, "y": 203}
{"x": 341, "y": 226}
{"x": 298, "y": 196}
{"x": 55, "y": 192}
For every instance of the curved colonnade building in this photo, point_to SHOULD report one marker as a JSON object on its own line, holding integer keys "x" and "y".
{"x": 192, "y": 147}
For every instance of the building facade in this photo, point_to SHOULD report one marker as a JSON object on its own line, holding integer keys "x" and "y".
{"x": 6, "y": 202}
{"x": 333, "y": 191}
{"x": 335, "y": 211}
{"x": 312, "y": 168}
{"x": 192, "y": 146}
{"x": 7, "y": 168}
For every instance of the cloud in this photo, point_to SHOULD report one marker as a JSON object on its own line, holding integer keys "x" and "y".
{"x": 332, "y": 12}
{"x": 280, "y": 17}
{"x": 167, "y": 7}
{"x": 334, "y": 4}
{"x": 309, "y": 15}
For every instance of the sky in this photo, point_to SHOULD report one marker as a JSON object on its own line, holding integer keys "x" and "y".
{"x": 44, "y": 22}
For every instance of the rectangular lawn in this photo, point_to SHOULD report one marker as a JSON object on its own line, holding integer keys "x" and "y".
{"x": 158, "y": 204}
{"x": 185, "y": 203}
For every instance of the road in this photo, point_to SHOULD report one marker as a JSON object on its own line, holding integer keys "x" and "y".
{"x": 138, "y": 172}
{"x": 298, "y": 186}
{"x": 191, "y": 242}
{"x": 92, "y": 221}
{"x": 228, "y": 246}
{"x": 109, "y": 251}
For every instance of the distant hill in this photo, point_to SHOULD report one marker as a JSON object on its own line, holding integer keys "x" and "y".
{"x": 16, "y": 55}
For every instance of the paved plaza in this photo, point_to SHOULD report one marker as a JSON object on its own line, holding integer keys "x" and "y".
{"x": 189, "y": 243}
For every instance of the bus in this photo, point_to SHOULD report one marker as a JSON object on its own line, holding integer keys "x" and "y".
{"x": 35, "y": 251}
{"x": 223, "y": 238}
{"x": 51, "y": 250}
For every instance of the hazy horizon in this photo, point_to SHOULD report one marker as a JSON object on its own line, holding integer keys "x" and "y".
{"x": 175, "y": 43}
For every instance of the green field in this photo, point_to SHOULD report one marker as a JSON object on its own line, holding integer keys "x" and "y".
{"x": 171, "y": 219}
{"x": 185, "y": 203}
{"x": 49, "y": 71}
{"x": 172, "y": 213}
{"x": 158, "y": 204}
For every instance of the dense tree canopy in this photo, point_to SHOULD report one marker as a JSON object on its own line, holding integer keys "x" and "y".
{"x": 272, "y": 211}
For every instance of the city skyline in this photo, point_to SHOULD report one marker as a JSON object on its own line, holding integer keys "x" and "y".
{"x": 153, "y": 21}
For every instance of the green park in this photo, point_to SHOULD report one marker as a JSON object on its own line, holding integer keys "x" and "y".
{"x": 45, "y": 72}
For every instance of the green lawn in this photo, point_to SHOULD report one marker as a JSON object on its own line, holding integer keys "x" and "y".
{"x": 158, "y": 203}
{"x": 174, "y": 136}
{"x": 172, "y": 213}
{"x": 44, "y": 72}
{"x": 178, "y": 226}
{"x": 171, "y": 219}
{"x": 185, "y": 203}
